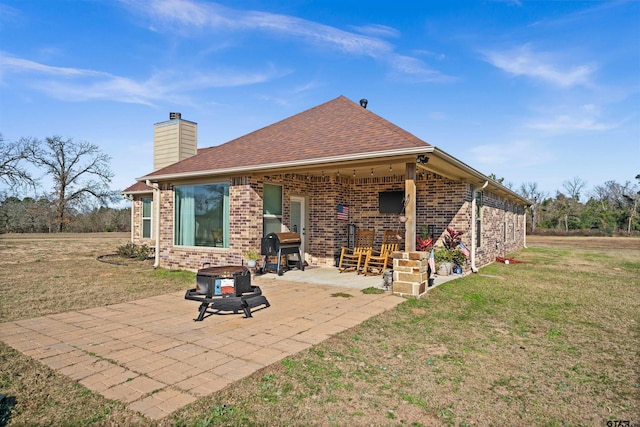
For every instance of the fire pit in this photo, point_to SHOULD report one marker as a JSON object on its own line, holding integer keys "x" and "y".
{"x": 225, "y": 288}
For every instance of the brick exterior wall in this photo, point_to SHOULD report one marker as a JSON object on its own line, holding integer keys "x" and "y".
{"x": 440, "y": 202}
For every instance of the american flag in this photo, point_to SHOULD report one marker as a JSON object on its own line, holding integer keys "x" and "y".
{"x": 432, "y": 262}
{"x": 465, "y": 251}
{"x": 343, "y": 213}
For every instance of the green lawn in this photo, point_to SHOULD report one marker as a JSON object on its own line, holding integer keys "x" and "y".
{"x": 553, "y": 341}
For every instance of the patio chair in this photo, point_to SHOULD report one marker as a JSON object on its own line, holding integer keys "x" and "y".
{"x": 352, "y": 259}
{"x": 377, "y": 260}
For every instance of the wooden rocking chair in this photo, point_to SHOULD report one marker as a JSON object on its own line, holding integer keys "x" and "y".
{"x": 377, "y": 261}
{"x": 353, "y": 259}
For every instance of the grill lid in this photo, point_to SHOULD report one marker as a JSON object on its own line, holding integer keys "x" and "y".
{"x": 287, "y": 237}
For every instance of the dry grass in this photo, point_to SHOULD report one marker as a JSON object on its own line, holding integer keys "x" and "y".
{"x": 44, "y": 274}
{"x": 550, "y": 342}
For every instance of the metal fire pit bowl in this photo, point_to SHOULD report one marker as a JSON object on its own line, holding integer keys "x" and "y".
{"x": 225, "y": 288}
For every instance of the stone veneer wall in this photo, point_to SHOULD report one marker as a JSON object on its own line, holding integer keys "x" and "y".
{"x": 440, "y": 202}
{"x": 410, "y": 276}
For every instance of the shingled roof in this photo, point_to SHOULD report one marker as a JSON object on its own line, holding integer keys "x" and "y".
{"x": 337, "y": 128}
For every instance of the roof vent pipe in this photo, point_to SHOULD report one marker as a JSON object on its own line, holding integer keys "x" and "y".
{"x": 363, "y": 103}
{"x": 174, "y": 116}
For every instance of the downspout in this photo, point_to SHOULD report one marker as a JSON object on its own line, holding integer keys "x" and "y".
{"x": 129, "y": 197}
{"x": 474, "y": 231}
{"x": 474, "y": 269}
{"x": 524, "y": 231}
{"x": 156, "y": 220}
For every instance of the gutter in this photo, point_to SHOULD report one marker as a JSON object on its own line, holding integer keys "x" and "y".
{"x": 156, "y": 220}
{"x": 481, "y": 177}
{"x": 298, "y": 163}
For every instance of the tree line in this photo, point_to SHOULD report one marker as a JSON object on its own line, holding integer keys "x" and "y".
{"x": 610, "y": 208}
{"x": 79, "y": 199}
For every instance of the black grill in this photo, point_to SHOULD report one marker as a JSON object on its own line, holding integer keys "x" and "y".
{"x": 279, "y": 245}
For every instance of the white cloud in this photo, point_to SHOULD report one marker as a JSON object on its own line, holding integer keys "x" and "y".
{"x": 74, "y": 84}
{"x": 10, "y": 63}
{"x": 377, "y": 30}
{"x": 522, "y": 153}
{"x": 564, "y": 119}
{"x": 522, "y": 61}
{"x": 437, "y": 115}
{"x": 567, "y": 123}
{"x": 416, "y": 69}
{"x": 192, "y": 17}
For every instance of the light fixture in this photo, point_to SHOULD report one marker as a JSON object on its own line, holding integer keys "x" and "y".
{"x": 390, "y": 168}
{"x": 363, "y": 103}
{"x": 354, "y": 173}
{"x": 403, "y": 217}
{"x": 422, "y": 159}
{"x": 371, "y": 171}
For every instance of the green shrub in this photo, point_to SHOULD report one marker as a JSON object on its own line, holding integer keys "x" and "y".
{"x": 131, "y": 250}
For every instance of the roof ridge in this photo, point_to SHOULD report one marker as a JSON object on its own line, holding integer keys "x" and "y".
{"x": 391, "y": 126}
{"x": 338, "y": 127}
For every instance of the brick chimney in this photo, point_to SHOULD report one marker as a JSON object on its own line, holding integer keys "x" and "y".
{"x": 174, "y": 140}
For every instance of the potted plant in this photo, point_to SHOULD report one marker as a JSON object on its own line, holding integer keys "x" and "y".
{"x": 252, "y": 257}
{"x": 444, "y": 261}
{"x": 423, "y": 241}
{"x": 458, "y": 259}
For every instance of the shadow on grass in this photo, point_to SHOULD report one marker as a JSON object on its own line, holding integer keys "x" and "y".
{"x": 6, "y": 405}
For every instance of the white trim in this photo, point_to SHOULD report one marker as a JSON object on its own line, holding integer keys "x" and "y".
{"x": 297, "y": 163}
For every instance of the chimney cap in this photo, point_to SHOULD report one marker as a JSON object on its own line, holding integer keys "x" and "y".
{"x": 175, "y": 116}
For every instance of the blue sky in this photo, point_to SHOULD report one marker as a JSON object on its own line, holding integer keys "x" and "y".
{"x": 532, "y": 91}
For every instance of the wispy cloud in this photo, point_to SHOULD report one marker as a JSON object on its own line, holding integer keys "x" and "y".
{"x": 566, "y": 119}
{"x": 568, "y": 123}
{"x": 188, "y": 17}
{"x": 75, "y": 84}
{"x": 10, "y": 63}
{"x": 523, "y": 61}
{"x": 523, "y": 153}
{"x": 377, "y": 30}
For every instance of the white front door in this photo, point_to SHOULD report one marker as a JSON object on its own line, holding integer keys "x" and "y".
{"x": 297, "y": 221}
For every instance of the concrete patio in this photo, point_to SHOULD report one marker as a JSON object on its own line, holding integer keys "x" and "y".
{"x": 152, "y": 356}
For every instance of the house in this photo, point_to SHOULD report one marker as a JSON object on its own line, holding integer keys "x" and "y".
{"x": 320, "y": 173}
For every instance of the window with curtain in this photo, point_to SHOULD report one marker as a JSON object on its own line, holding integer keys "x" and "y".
{"x": 272, "y": 209}
{"x": 202, "y": 215}
{"x": 147, "y": 203}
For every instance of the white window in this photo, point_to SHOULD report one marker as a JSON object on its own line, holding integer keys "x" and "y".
{"x": 272, "y": 209}
{"x": 147, "y": 204}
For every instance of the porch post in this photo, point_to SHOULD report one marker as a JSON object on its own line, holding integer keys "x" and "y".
{"x": 410, "y": 208}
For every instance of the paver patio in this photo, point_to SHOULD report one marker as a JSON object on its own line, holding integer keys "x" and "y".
{"x": 151, "y": 355}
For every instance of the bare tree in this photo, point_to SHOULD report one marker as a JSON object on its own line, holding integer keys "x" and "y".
{"x": 574, "y": 187}
{"x": 530, "y": 191}
{"x": 79, "y": 171}
{"x": 633, "y": 199}
{"x": 13, "y": 155}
